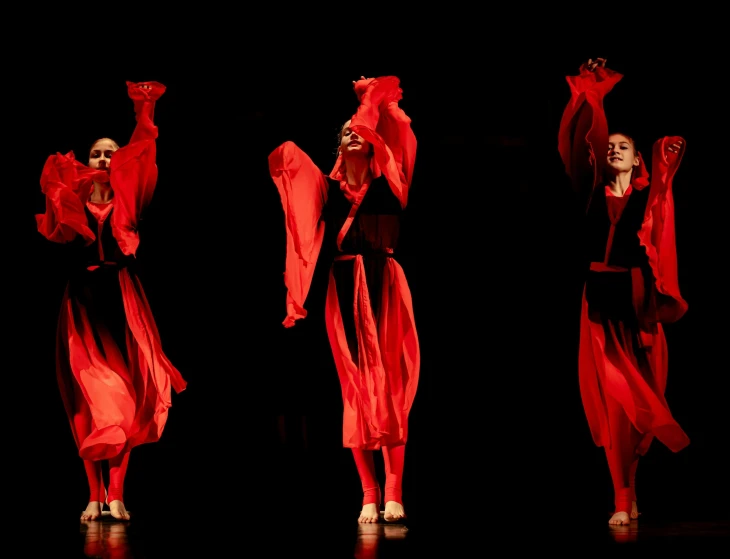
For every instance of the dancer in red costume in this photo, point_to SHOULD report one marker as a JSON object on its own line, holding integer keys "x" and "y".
{"x": 631, "y": 288}
{"x": 369, "y": 314}
{"x": 114, "y": 378}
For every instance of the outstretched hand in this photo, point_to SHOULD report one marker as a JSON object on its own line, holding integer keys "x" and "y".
{"x": 362, "y": 78}
{"x": 674, "y": 150}
{"x": 143, "y": 91}
{"x": 675, "y": 147}
{"x": 592, "y": 64}
{"x": 360, "y": 86}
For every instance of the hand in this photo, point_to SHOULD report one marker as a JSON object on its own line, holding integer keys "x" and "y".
{"x": 675, "y": 147}
{"x": 360, "y": 86}
{"x": 143, "y": 91}
{"x": 592, "y": 64}
{"x": 674, "y": 150}
{"x": 362, "y": 78}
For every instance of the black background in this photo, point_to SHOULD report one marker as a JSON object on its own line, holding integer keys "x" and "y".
{"x": 489, "y": 249}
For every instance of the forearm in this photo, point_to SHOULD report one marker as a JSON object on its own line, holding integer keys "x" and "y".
{"x": 144, "y": 95}
{"x": 583, "y": 133}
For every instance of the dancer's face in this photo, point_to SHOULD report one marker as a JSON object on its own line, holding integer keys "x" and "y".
{"x": 622, "y": 154}
{"x": 352, "y": 144}
{"x": 100, "y": 156}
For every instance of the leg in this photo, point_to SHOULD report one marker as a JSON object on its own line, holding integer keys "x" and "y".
{"x": 622, "y": 461}
{"x": 632, "y": 481}
{"x": 97, "y": 492}
{"x": 117, "y": 472}
{"x": 394, "y": 457}
{"x": 96, "y": 480}
{"x": 370, "y": 488}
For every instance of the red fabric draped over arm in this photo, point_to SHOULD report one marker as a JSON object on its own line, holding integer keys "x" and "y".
{"x": 66, "y": 184}
{"x": 303, "y": 190}
{"x": 657, "y": 232}
{"x": 583, "y": 134}
{"x": 380, "y": 120}
{"x": 134, "y": 168}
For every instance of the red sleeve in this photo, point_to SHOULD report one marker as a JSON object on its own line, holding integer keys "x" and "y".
{"x": 380, "y": 120}
{"x": 303, "y": 190}
{"x": 66, "y": 184}
{"x": 657, "y": 231}
{"x": 144, "y": 108}
{"x": 583, "y": 127}
{"x": 133, "y": 174}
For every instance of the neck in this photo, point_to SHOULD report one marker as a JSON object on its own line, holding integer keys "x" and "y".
{"x": 620, "y": 183}
{"x": 102, "y": 192}
{"x": 357, "y": 170}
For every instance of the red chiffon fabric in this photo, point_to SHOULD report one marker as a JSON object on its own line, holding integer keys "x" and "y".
{"x": 378, "y": 390}
{"x": 125, "y": 390}
{"x": 609, "y": 363}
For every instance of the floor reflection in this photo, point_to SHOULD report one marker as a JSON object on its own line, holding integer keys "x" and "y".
{"x": 170, "y": 535}
{"x": 369, "y": 537}
{"x": 106, "y": 538}
{"x": 624, "y": 533}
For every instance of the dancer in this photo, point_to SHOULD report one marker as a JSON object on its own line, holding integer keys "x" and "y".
{"x": 631, "y": 286}
{"x": 114, "y": 378}
{"x": 355, "y": 212}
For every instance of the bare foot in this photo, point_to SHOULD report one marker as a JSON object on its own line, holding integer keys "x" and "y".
{"x": 394, "y": 511}
{"x": 369, "y": 513}
{"x": 634, "y": 511}
{"x": 118, "y": 511}
{"x": 619, "y": 518}
{"x": 92, "y": 512}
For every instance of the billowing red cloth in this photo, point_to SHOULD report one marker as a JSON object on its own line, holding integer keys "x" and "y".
{"x": 657, "y": 231}
{"x": 378, "y": 390}
{"x": 610, "y": 362}
{"x": 303, "y": 191}
{"x": 126, "y": 390}
{"x": 393, "y": 140}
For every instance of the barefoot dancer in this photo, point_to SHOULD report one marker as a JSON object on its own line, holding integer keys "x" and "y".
{"x": 631, "y": 287}
{"x": 355, "y": 211}
{"x": 113, "y": 376}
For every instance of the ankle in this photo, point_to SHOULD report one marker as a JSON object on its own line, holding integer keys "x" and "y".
{"x": 371, "y": 496}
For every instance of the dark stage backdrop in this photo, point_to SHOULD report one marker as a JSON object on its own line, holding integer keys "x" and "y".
{"x": 489, "y": 248}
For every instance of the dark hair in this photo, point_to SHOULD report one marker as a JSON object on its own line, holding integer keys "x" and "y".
{"x": 338, "y": 135}
{"x": 116, "y": 145}
{"x": 339, "y": 139}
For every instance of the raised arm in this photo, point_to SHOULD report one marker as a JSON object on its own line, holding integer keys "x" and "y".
{"x": 303, "y": 191}
{"x": 382, "y": 122}
{"x": 144, "y": 95}
{"x": 134, "y": 167}
{"x": 583, "y": 134}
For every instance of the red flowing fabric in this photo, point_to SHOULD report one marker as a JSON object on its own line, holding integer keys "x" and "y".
{"x": 657, "y": 233}
{"x": 378, "y": 390}
{"x": 66, "y": 184}
{"x": 127, "y": 395}
{"x": 303, "y": 191}
{"x": 609, "y": 363}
